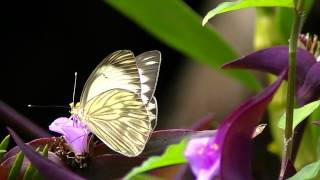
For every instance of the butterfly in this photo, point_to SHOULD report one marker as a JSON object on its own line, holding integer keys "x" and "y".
{"x": 117, "y": 103}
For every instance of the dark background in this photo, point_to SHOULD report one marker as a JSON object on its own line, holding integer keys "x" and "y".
{"x": 44, "y": 42}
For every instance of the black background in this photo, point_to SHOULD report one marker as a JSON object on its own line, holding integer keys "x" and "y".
{"x": 44, "y": 42}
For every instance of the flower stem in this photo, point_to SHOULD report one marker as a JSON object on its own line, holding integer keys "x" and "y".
{"x": 296, "y": 27}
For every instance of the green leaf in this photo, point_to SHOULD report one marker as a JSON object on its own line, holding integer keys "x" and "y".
{"x": 316, "y": 130}
{"x": 173, "y": 155}
{"x": 241, "y": 4}
{"x": 2, "y": 152}
{"x": 145, "y": 177}
{"x": 30, "y": 170}
{"x": 308, "y": 172}
{"x": 300, "y": 114}
{"x": 284, "y": 19}
{"x": 44, "y": 152}
{"x": 307, "y": 151}
{"x": 16, "y": 166}
{"x": 178, "y": 26}
{"x": 4, "y": 145}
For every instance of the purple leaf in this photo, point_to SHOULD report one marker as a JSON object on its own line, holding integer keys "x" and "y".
{"x": 23, "y": 124}
{"x": 34, "y": 144}
{"x": 8, "y": 162}
{"x": 111, "y": 166}
{"x": 310, "y": 89}
{"x": 275, "y": 60}
{"x": 237, "y": 130}
{"x": 227, "y": 154}
{"x": 47, "y": 168}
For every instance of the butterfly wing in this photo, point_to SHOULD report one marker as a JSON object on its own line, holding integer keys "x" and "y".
{"x": 120, "y": 119}
{"x": 117, "y": 101}
{"x": 118, "y": 70}
{"x": 152, "y": 110}
{"x": 148, "y": 66}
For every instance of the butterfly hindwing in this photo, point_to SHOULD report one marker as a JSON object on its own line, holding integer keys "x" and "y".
{"x": 120, "y": 119}
{"x": 118, "y": 70}
{"x": 148, "y": 66}
{"x": 152, "y": 110}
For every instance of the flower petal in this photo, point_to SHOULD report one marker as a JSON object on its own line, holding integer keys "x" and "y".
{"x": 56, "y": 125}
{"x": 274, "y": 60}
{"x": 77, "y": 139}
{"x": 74, "y": 132}
{"x": 310, "y": 89}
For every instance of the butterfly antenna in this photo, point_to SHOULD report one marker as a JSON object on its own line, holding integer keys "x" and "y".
{"x": 74, "y": 87}
{"x": 46, "y": 106}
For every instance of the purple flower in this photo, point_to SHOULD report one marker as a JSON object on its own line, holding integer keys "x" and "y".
{"x": 227, "y": 154}
{"x": 274, "y": 60}
{"x": 74, "y": 132}
{"x": 204, "y": 159}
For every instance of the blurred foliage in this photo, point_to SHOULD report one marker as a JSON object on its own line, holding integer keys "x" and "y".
{"x": 284, "y": 19}
{"x": 276, "y": 109}
{"x": 178, "y": 26}
{"x": 266, "y": 35}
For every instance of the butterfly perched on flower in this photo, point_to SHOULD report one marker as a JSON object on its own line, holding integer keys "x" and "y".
{"x": 117, "y": 104}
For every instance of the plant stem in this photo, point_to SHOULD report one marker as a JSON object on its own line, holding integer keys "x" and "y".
{"x": 296, "y": 27}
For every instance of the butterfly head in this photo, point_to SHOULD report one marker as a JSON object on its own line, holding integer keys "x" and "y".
{"x": 74, "y": 108}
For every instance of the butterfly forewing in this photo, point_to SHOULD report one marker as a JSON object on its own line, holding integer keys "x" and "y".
{"x": 118, "y": 70}
{"x": 148, "y": 66}
{"x": 120, "y": 119}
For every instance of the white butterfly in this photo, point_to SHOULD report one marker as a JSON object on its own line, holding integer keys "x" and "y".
{"x": 117, "y": 102}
